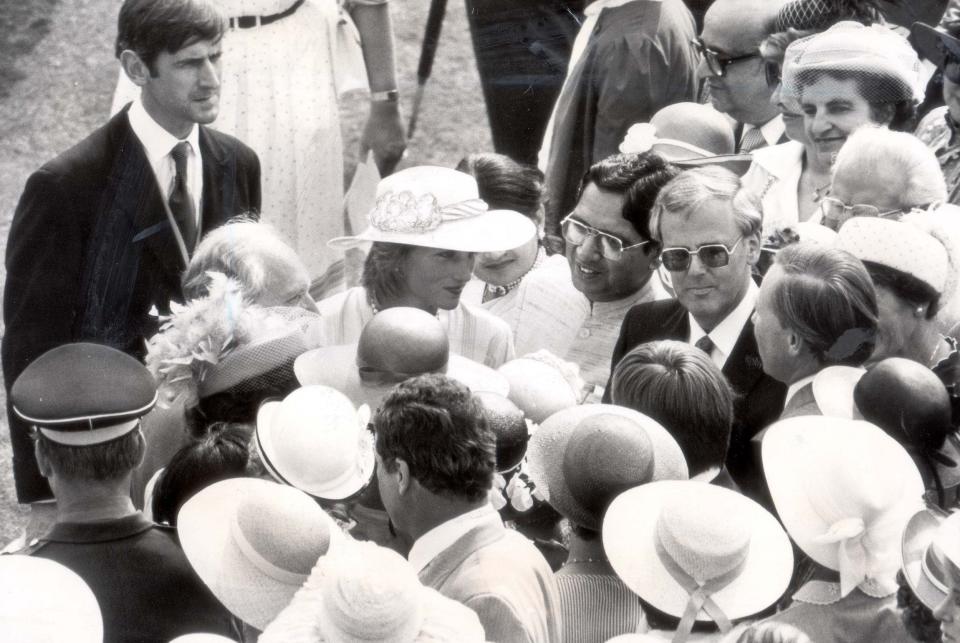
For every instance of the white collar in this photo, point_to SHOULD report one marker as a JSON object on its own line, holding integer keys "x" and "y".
{"x": 157, "y": 141}
{"x": 727, "y": 332}
{"x": 780, "y": 160}
{"x": 434, "y": 542}
{"x": 794, "y": 388}
{"x": 707, "y": 476}
{"x": 772, "y": 131}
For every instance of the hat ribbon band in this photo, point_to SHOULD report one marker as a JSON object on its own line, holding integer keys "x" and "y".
{"x": 261, "y": 563}
{"x": 933, "y": 566}
{"x": 373, "y": 376}
{"x": 700, "y": 594}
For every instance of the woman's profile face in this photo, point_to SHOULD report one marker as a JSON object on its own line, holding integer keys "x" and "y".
{"x": 502, "y": 268}
{"x": 433, "y": 278}
{"x": 948, "y": 612}
{"x": 832, "y": 110}
{"x": 897, "y": 322}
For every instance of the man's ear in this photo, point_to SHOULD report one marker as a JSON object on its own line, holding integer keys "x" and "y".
{"x": 43, "y": 464}
{"x": 795, "y": 342}
{"x": 135, "y": 69}
{"x": 404, "y": 479}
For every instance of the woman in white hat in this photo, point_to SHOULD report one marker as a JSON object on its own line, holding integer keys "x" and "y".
{"x": 362, "y": 592}
{"x": 699, "y": 556}
{"x": 426, "y": 228}
{"x": 841, "y": 79}
{"x": 582, "y": 462}
{"x": 931, "y": 567}
{"x": 914, "y": 266}
{"x": 844, "y": 490}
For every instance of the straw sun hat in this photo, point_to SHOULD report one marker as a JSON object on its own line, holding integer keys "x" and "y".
{"x": 363, "y": 593}
{"x": 697, "y": 551}
{"x": 231, "y": 536}
{"x": 931, "y": 555}
{"x": 315, "y": 440}
{"x": 436, "y": 207}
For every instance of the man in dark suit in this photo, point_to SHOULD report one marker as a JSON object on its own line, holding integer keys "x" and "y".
{"x": 708, "y": 229}
{"x": 102, "y": 232}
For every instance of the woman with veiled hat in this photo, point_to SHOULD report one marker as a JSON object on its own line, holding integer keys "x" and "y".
{"x": 834, "y": 82}
{"x": 426, "y": 228}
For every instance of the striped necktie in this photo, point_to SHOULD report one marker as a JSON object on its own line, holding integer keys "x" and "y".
{"x": 181, "y": 203}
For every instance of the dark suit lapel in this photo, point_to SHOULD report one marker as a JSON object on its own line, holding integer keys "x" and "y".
{"x": 214, "y": 169}
{"x": 743, "y": 367}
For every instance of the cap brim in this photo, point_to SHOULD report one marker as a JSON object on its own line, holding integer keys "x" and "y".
{"x": 548, "y": 443}
{"x": 203, "y": 525}
{"x": 917, "y": 537}
{"x": 629, "y": 529}
{"x": 492, "y": 231}
{"x": 933, "y": 44}
{"x": 736, "y": 163}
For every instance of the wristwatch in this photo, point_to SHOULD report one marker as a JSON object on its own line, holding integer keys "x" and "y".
{"x": 388, "y": 96}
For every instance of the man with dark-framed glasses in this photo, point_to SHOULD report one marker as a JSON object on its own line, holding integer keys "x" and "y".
{"x": 733, "y": 71}
{"x": 708, "y": 229}
{"x": 573, "y": 305}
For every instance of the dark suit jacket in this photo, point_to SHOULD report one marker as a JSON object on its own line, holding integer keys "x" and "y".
{"x": 91, "y": 251}
{"x": 759, "y": 397}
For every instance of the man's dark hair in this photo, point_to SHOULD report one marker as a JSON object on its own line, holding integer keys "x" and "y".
{"x": 149, "y": 27}
{"x": 100, "y": 462}
{"x": 638, "y": 177}
{"x": 680, "y": 387}
{"x": 828, "y": 299}
{"x": 435, "y": 425}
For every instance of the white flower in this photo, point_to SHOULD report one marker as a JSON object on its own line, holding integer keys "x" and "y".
{"x": 639, "y": 139}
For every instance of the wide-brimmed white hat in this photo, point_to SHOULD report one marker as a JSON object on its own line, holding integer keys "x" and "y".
{"x": 363, "y": 593}
{"x": 437, "y": 207}
{"x": 539, "y": 385}
{"x": 397, "y": 344}
{"x": 844, "y": 490}
{"x": 41, "y": 601}
{"x": 667, "y": 539}
{"x": 931, "y": 544}
{"x": 315, "y": 440}
{"x": 546, "y": 450}
{"x": 254, "y": 543}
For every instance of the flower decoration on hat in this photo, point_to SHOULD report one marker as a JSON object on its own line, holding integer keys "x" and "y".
{"x": 640, "y": 138}
{"x": 406, "y": 212}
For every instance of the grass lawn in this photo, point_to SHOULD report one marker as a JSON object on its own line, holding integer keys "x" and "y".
{"x": 57, "y": 74}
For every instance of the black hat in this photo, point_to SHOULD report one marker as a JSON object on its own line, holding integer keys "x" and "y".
{"x": 933, "y": 44}
{"x": 82, "y": 394}
{"x": 509, "y": 426}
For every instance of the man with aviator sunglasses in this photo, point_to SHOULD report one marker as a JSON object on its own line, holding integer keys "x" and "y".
{"x": 732, "y": 69}
{"x": 708, "y": 228}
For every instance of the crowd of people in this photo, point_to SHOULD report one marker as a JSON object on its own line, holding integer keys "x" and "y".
{"x": 695, "y": 377}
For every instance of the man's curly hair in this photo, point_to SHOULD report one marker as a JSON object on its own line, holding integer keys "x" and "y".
{"x": 435, "y": 425}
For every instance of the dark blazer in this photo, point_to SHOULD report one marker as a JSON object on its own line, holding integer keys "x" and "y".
{"x": 91, "y": 251}
{"x": 759, "y": 397}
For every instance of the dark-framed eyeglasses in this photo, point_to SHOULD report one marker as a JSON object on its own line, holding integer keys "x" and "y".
{"x": 773, "y": 73}
{"x": 577, "y": 233}
{"x": 712, "y": 255}
{"x": 717, "y": 63}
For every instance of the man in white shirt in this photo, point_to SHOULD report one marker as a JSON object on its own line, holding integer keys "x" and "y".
{"x": 102, "y": 232}
{"x": 817, "y": 307}
{"x": 732, "y": 69}
{"x": 435, "y": 465}
{"x": 708, "y": 228}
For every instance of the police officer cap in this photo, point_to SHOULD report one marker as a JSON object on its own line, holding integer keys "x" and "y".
{"x": 82, "y": 394}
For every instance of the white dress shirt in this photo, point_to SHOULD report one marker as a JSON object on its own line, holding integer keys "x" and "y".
{"x": 727, "y": 332}
{"x": 158, "y": 143}
{"x": 771, "y": 131}
{"x": 434, "y": 542}
{"x": 794, "y": 388}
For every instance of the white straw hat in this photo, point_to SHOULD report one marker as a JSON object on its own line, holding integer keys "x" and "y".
{"x": 41, "y": 601}
{"x": 667, "y": 539}
{"x": 539, "y": 387}
{"x": 844, "y": 490}
{"x": 316, "y": 441}
{"x": 437, "y": 207}
{"x": 548, "y": 444}
{"x": 833, "y": 389}
{"x": 254, "y": 543}
{"x": 363, "y": 593}
{"x": 931, "y": 544}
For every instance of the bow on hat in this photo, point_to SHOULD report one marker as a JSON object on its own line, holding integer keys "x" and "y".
{"x": 859, "y": 565}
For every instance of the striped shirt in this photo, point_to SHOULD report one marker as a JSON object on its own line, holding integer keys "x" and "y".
{"x": 597, "y": 607}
